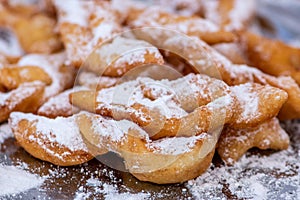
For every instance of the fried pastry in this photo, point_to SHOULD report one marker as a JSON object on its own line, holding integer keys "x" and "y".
{"x": 272, "y": 56}
{"x": 59, "y": 106}
{"x": 120, "y": 55}
{"x": 26, "y": 98}
{"x": 12, "y": 77}
{"x": 233, "y": 143}
{"x": 54, "y": 140}
{"x": 93, "y": 81}
{"x": 233, "y": 52}
{"x": 161, "y": 109}
{"x": 166, "y": 108}
{"x": 39, "y": 27}
{"x": 62, "y": 76}
{"x": 168, "y": 160}
{"x": 208, "y": 61}
{"x": 190, "y": 25}
{"x": 231, "y": 15}
{"x": 83, "y": 25}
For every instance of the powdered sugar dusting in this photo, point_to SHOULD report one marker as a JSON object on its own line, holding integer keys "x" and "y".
{"x": 60, "y": 104}
{"x": 249, "y": 100}
{"x": 266, "y": 177}
{"x": 14, "y": 180}
{"x": 176, "y": 145}
{"x": 63, "y": 131}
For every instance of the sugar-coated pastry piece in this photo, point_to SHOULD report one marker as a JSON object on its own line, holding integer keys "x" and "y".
{"x": 62, "y": 76}
{"x": 167, "y": 108}
{"x": 57, "y": 141}
{"x": 35, "y": 32}
{"x": 120, "y": 55}
{"x": 164, "y": 161}
{"x": 256, "y": 104}
{"x": 12, "y": 77}
{"x": 59, "y": 105}
{"x": 26, "y": 98}
{"x": 83, "y": 25}
{"x": 93, "y": 81}
{"x": 208, "y": 61}
{"x": 164, "y": 108}
{"x": 233, "y": 143}
{"x": 231, "y": 15}
{"x": 190, "y": 25}
{"x": 272, "y": 56}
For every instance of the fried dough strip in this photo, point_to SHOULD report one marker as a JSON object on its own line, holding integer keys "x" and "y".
{"x": 166, "y": 110}
{"x": 62, "y": 76}
{"x": 233, "y": 143}
{"x": 59, "y": 106}
{"x": 272, "y": 56}
{"x": 12, "y": 77}
{"x": 39, "y": 27}
{"x": 231, "y": 15}
{"x": 54, "y": 140}
{"x": 208, "y": 61}
{"x": 120, "y": 55}
{"x": 83, "y": 25}
{"x": 26, "y": 98}
{"x": 154, "y": 161}
{"x": 189, "y": 25}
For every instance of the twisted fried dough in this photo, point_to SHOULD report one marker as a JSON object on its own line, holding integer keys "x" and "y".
{"x": 189, "y": 25}
{"x": 39, "y": 27}
{"x": 83, "y": 25}
{"x": 166, "y": 108}
{"x": 120, "y": 55}
{"x": 233, "y": 143}
{"x": 271, "y": 56}
{"x": 231, "y": 15}
{"x": 168, "y": 160}
{"x": 54, "y": 140}
{"x": 208, "y": 61}
{"x": 12, "y": 77}
{"x": 26, "y": 98}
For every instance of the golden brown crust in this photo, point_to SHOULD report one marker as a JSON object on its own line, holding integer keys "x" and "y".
{"x": 26, "y": 98}
{"x": 234, "y": 143}
{"x": 42, "y": 142}
{"x": 142, "y": 157}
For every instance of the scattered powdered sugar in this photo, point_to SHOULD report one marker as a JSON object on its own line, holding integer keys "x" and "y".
{"x": 252, "y": 177}
{"x": 109, "y": 192}
{"x": 5, "y": 132}
{"x": 14, "y": 180}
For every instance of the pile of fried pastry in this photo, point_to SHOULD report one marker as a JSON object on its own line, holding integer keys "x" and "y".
{"x": 163, "y": 86}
